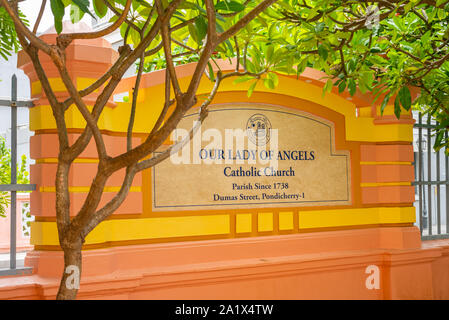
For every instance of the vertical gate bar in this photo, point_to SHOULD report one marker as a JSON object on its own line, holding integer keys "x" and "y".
{"x": 420, "y": 172}
{"x": 446, "y": 160}
{"x": 438, "y": 191}
{"x": 13, "y": 213}
{"x": 429, "y": 175}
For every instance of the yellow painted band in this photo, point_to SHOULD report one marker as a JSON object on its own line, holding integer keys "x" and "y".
{"x": 86, "y": 189}
{"x": 357, "y": 129}
{"x": 243, "y": 223}
{"x": 55, "y": 83}
{"x": 58, "y": 85}
{"x": 286, "y": 221}
{"x": 265, "y": 222}
{"x": 365, "y": 112}
{"x": 374, "y": 163}
{"x": 116, "y": 119}
{"x": 112, "y": 119}
{"x": 55, "y": 160}
{"x": 363, "y": 129}
{"x": 360, "y": 216}
{"x": 45, "y": 233}
{"x": 384, "y": 184}
{"x": 83, "y": 83}
{"x": 389, "y": 110}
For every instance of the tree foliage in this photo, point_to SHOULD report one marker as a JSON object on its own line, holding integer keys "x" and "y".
{"x": 200, "y": 30}
{"x": 189, "y": 39}
{"x": 384, "y": 47}
{"x": 8, "y": 37}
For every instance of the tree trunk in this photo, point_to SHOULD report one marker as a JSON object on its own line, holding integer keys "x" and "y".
{"x": 71, "y": 274}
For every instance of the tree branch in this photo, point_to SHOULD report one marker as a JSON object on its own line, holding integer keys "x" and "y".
{"x": 167, "y": 105}
{"x": 118, "y": 14}
{"x": 132, "y": 116}
{"x": 245, "y": 20}
{"x": 90, "y": 120}
{"x": 94, "y": 86}
{"x": 166, "y": 39}
{"x": 116, "y": 73}
{"x": 20, "y": 27}
{"x": 113, "y": 204}
{"x": 65, "y": 39}
{"x": 39, "y": 17}
{"x": 212, "y": 21}
{"x": 202, "y": 114}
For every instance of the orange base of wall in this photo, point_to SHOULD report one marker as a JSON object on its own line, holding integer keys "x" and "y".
{"x": 322, "y": 265}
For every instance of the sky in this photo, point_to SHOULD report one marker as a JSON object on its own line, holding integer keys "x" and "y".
{"x": 31, "y": 9}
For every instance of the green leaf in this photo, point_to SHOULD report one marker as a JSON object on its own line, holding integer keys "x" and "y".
{"x": 250, "y": 66}
{"x": 57, "y": 7}
{"x": 84, "y": 6}
{"x": 352, "y": 87}
{"x": 319, "y": 27}
{"x": 408, "y": 6}
{"x": 269, "y": 54}
{"x": 186, "y": 5}
{"x": 230, "y": 6}
{"x": 193, "y": 33}
{"x": 242, "y": 79}
{"x": 397, "y": 107}
{"x": 312, "y": 13}
{"x": 439, "y": 140}
{"x": 322, "y": 51}
{"x": 274, "y": 78}
{"x": 76, "y": 14}
{"x": 384, "y": 103}
{"x": 342, "y": 86}
{"x": 251, "y": 88}
{"x": 135, "y": 36}
{"x": 145, "y": 4}
{"x": 201, "y": 28}
{"x": 100, "y": 8}
{"x": 328, "y": 86}
{"x": 367, "y": 78}
{"x": 405, "y": 97}
{"x": 269, "y": 83}
{"x": 211, "y": 72}
{"x": 301, "y": 66}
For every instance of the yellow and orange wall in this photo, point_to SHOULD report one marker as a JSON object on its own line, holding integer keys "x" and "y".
{"x": 273, "y": 253}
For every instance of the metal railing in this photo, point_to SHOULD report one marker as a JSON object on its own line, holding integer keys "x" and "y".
{"x": 431, "y": 183}
{"x": 13, "y": 187}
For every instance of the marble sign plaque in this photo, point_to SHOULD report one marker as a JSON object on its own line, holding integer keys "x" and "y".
{"x": 254, "y": 156}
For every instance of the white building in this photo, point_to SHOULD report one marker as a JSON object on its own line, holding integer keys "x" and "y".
{"x": 7, "y": 69}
